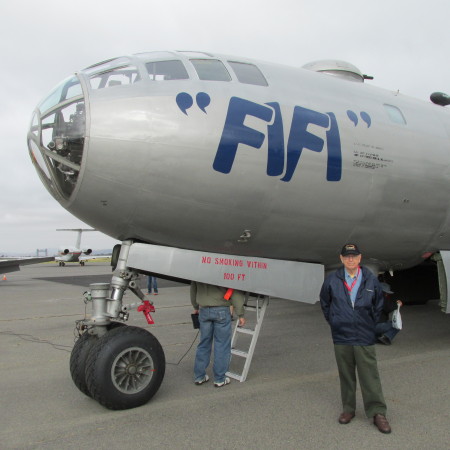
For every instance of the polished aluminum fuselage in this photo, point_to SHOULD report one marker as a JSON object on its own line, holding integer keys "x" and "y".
{"x": 147, "y": 172}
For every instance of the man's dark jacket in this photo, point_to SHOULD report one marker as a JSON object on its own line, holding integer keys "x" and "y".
{"x": 352, "y": 325}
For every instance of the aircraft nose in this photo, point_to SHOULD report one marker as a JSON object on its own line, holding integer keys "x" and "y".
{"x": 56, "y": 138}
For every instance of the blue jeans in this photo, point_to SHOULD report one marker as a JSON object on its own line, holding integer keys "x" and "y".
{"x": 387, "y": 329}
{"x": 215, "y": 325}
{"x": 151, "y": 282}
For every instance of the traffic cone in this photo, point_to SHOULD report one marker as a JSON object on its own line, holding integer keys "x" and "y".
{"x": 4, "y": 277}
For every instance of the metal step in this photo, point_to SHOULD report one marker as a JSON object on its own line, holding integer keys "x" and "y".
{"x": 245, "y": 330}
{"x": 235, "y": 376}
{"x": 236, "y": 352}
{"x": 250, "y": 307}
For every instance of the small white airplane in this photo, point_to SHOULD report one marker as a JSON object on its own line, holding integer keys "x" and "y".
{"x": 74, "y": 254}
{"x": 244, "y": 174}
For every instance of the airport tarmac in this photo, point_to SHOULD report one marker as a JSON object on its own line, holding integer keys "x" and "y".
{"x": 290, "y": 399}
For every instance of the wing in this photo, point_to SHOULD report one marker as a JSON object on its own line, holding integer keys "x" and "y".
{"x": 13, "y": 265}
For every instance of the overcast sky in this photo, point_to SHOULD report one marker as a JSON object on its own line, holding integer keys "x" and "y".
{"x": 404, "y": 44}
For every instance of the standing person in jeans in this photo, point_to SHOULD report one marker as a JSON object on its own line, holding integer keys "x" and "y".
{"x": 215, "y": 326}
{"x": 352, "y": 299}
{"x": 151, "y": 283}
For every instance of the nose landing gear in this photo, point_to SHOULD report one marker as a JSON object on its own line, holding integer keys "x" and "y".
{"x": 119, "y": 366}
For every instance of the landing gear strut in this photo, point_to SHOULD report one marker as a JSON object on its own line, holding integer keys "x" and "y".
{"x": 120, "y": 366}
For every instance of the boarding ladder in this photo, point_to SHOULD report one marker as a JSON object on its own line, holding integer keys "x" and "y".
{"x": 258, "y": 306}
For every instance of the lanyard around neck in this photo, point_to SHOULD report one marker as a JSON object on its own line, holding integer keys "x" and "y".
{"x": 350, "y": 288}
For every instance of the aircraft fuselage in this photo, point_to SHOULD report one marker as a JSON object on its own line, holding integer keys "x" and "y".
{"x": 298, "y": 166}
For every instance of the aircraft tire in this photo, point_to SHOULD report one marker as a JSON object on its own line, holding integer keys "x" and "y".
{"x": 125, "y": 368}
{"x": 79, "y": 356}
{"x": 78, "y": 359}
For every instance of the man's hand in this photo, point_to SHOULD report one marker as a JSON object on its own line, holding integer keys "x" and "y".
{"x": 195, "y": 311}
{"x": 241, "y": 321}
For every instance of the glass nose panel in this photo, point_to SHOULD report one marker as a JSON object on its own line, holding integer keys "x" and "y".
{"x": 56, "y": 138}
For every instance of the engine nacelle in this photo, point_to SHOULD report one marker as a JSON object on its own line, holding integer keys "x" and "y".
{"x": 87, "y": 252}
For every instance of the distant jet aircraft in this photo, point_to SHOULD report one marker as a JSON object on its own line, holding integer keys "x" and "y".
{"x": 74, "y": 254}
{"x": 13, "y": 265}
{"x": 244, "y": 174}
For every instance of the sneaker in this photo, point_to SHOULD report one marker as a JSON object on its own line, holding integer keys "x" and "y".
{"x": 223, "y": 383}
{"x": 155, "y": 293}
{"x": 203, "y": 380}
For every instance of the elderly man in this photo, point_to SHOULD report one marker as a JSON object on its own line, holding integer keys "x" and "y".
{"x": 352, "y": 301}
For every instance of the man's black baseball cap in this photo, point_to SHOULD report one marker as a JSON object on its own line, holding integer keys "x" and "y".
{"x": 350, "y": 249}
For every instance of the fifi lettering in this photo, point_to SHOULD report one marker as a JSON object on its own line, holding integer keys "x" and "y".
{"x": 282, "y": 160}
{"x": 279, "y": 161}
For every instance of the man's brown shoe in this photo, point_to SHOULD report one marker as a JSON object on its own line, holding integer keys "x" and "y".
{"x": 345, "y": 418}
{"x": 381, "y": 423}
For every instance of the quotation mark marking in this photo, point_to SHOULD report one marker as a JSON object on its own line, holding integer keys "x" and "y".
{"x": 185, "y": 101}
{"x": 364, "y": 116}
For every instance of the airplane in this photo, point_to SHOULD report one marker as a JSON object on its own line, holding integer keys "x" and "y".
{"x": 8, "y": 265}
{"x": 74, "y": 254}
{"x": 240, "y": 173}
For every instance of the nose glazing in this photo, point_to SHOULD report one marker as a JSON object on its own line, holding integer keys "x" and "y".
{"x": 56, "y": 138}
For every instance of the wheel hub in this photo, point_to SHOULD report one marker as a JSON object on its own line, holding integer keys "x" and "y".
{"x": 132, "y": 370}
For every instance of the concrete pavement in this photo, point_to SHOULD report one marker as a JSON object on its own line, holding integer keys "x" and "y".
{"x": 290, "y": 399}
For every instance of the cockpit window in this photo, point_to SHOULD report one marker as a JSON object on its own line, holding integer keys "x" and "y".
{"x": 395, "y": 114}
{"x": 248, "y": 73}
{"x": 69, "y": 88}
{"x": 211, "y": 69}
{"x": 166, "y": 70}
{"x": 118, "y": 76}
